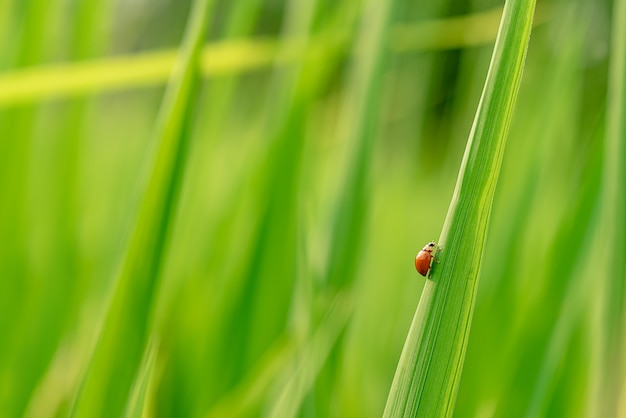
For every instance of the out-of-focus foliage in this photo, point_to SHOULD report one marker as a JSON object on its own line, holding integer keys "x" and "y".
{"x": 286, "y": 283}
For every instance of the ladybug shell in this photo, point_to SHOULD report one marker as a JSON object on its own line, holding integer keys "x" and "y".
{"x": 423, "y": 259}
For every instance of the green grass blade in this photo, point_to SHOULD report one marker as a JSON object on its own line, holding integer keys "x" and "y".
{"x": 611, "y": 388}
{"x": 114, "y": 365}
{"x": 429, "y": 370}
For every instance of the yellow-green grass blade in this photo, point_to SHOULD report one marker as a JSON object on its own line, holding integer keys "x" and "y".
{"x": 227, "y": 57}
{"x": 108, "y": 379}
{"x": 429, "y": 370}
{"x": 610, "y": 390}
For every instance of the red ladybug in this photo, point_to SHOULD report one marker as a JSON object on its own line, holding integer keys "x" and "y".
{"x": 424, "y": 258}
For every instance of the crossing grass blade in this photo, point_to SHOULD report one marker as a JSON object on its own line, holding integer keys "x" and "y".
{"x": 108, "y": 379}
{"x": 230, "y": 57}
{"x": 429, "y": 370}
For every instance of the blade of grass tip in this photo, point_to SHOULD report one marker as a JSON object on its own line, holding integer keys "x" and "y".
{"x": 429, "y": 370}
{"x": 610, "y": 391}
{"x": 107, "y": 381}
{"x": 136, "y": 406}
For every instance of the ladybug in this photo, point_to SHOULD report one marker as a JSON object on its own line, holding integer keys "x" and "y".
{"x": 424, "y": 258}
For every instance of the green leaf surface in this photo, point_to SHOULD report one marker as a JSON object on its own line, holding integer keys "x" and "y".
{"x": 429, "y": 370}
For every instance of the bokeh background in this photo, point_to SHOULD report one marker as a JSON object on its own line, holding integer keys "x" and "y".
{"x": 323, "y": 156}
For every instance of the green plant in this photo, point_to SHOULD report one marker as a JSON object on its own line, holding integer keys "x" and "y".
{"x": 322, "y": 143}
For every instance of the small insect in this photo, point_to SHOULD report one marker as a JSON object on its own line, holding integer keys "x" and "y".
{"x": 424, "y": 258}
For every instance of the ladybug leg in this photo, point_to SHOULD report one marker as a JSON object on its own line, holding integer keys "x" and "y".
{"x": 430, "y": 267}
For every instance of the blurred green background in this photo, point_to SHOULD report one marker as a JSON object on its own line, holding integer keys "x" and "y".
{"x": 325, "y": 143}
